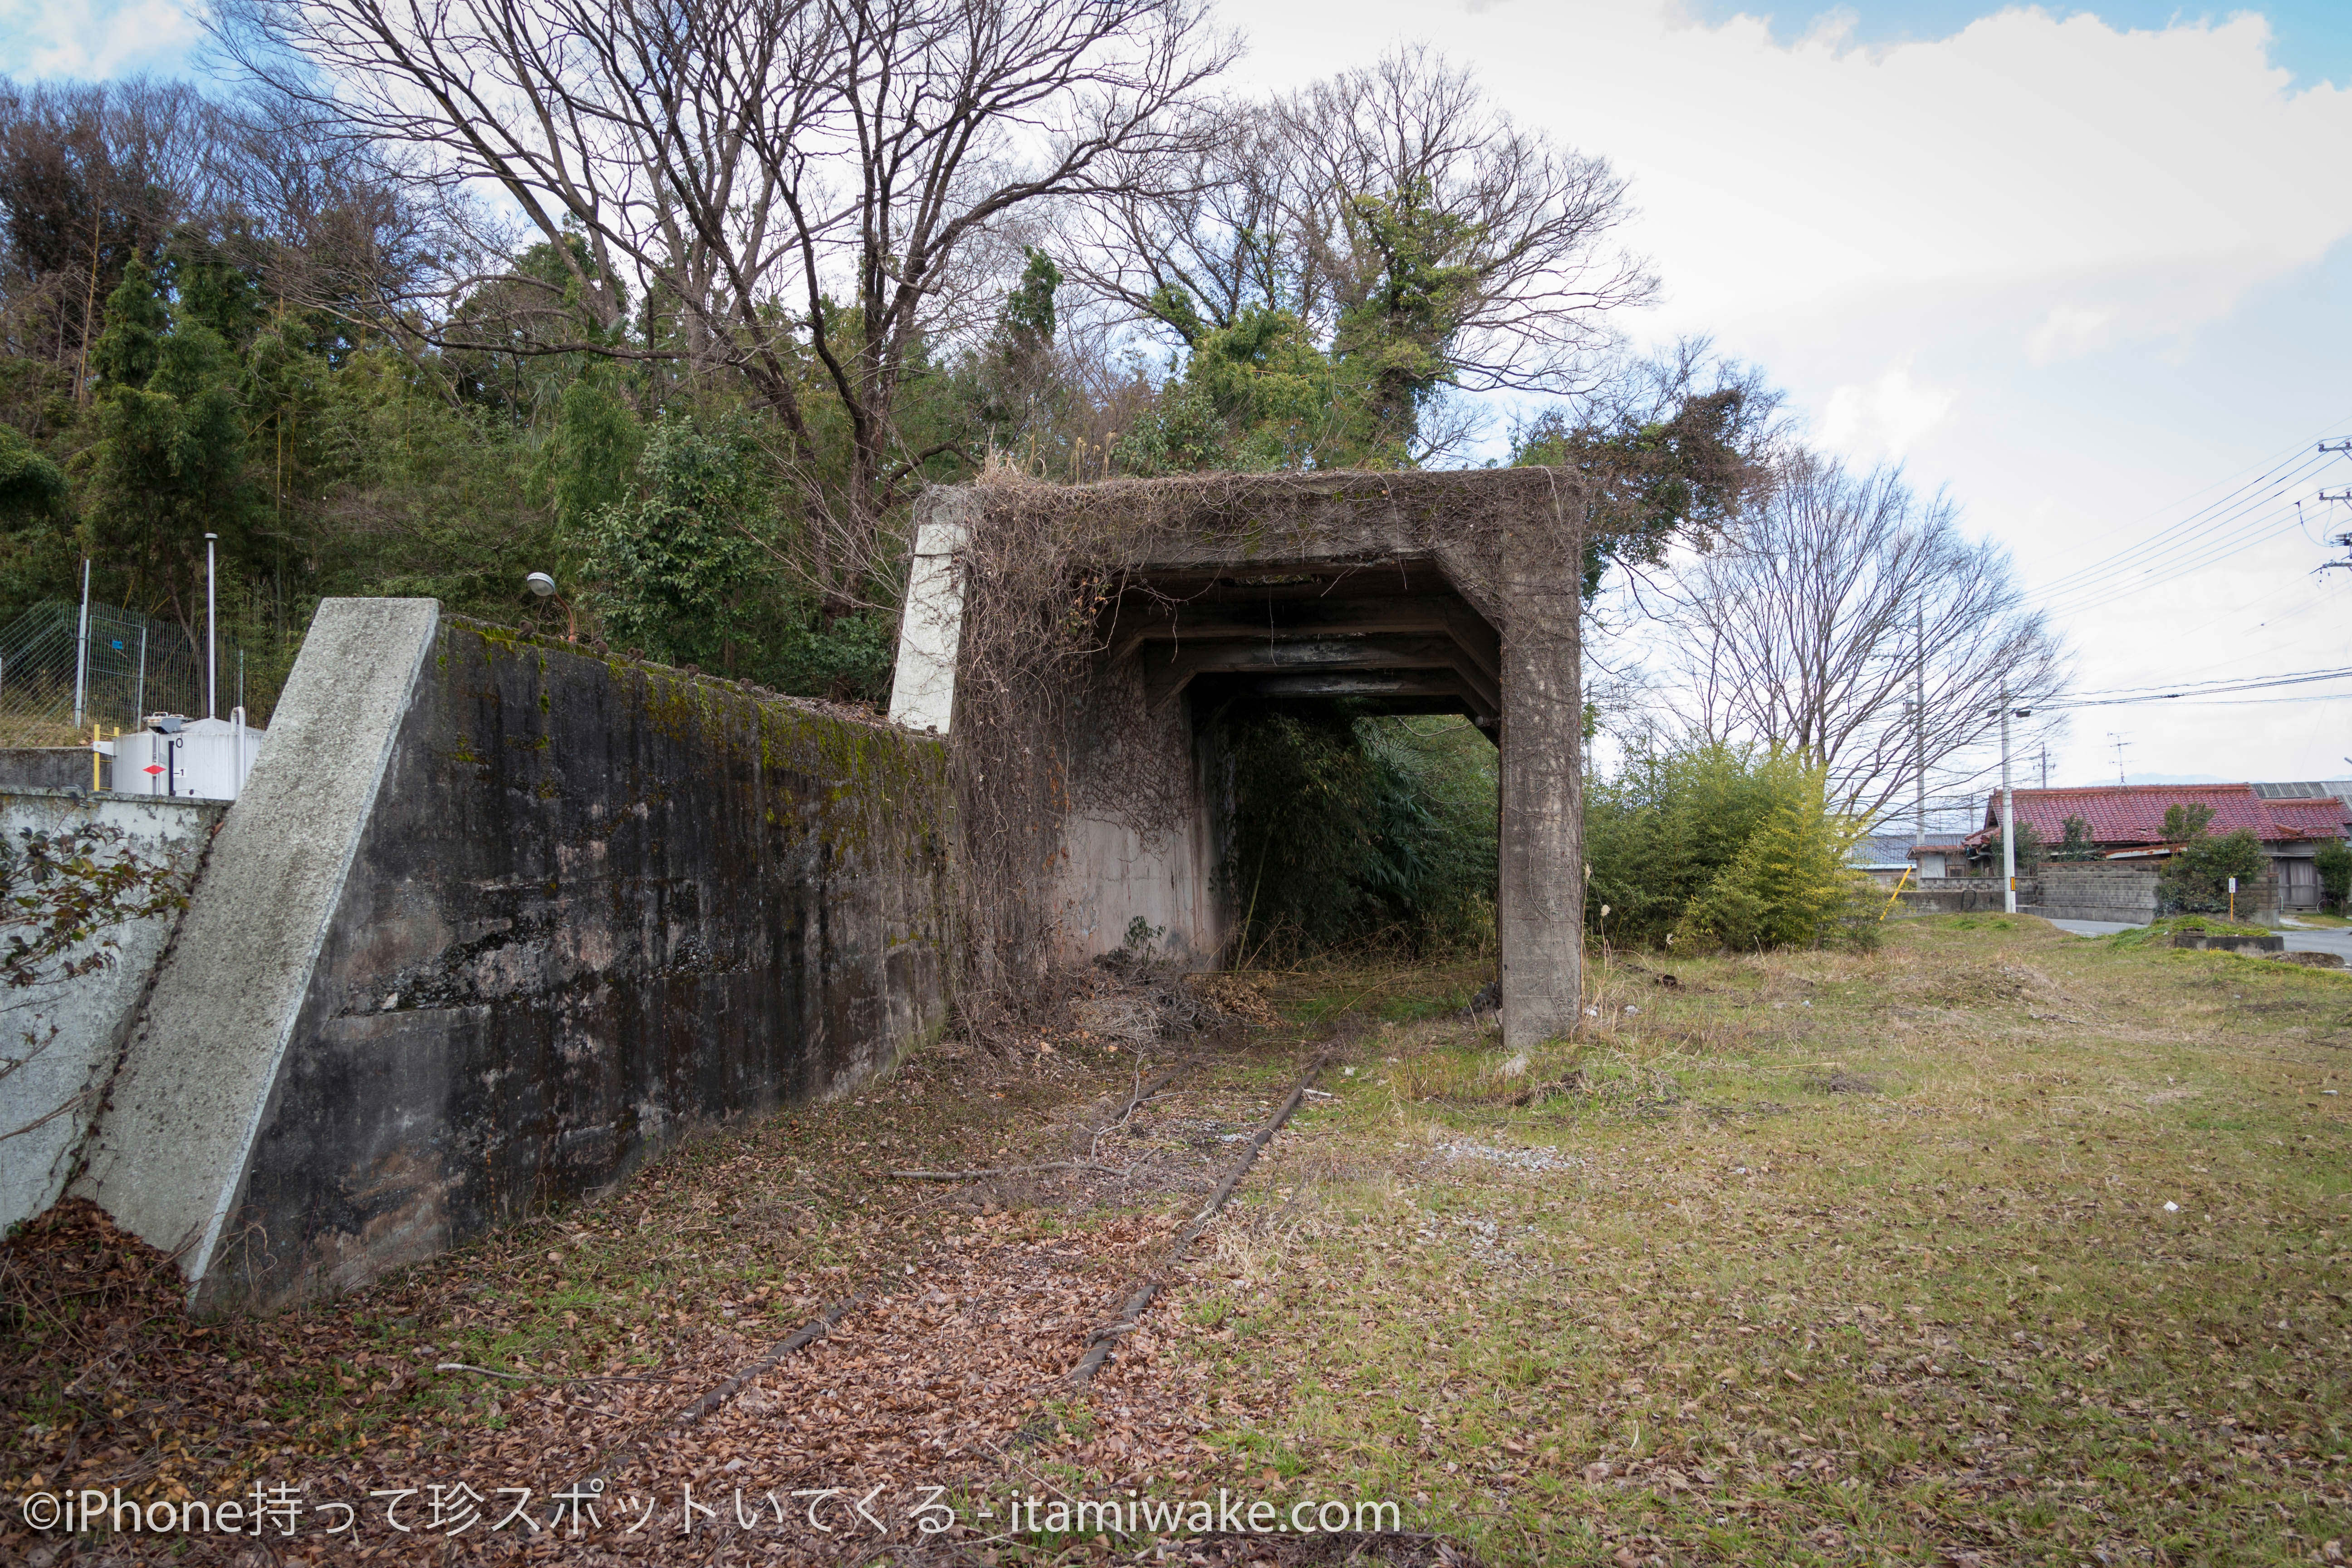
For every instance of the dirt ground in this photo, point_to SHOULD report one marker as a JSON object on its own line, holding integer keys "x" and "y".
{"x": 1997, "y": 1246}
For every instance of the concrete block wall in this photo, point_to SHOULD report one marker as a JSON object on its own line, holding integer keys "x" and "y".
{"x": 64, "y": 1033}
{"x": 495, "y": 922}
{"x": 2096, "y": 890}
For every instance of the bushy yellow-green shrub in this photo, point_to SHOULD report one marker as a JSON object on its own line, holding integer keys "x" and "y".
{"x": 1726, "y": 845}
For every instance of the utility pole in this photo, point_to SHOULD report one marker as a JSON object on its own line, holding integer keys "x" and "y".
{"x": 2008, "y": 818}
{"x": 2344, "y": 540}
{"x": 1919, "y": 724}
{"x": 2045, "y": 764}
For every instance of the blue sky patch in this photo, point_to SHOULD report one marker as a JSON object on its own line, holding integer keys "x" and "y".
{"x": 2312, "y": 38}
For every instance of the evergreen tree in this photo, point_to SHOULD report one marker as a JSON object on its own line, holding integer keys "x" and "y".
{"x": 680, "y": 571}
{"x": 169, "y": 465}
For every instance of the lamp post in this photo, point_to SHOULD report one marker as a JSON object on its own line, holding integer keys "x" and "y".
{"x": 212, "y": 634}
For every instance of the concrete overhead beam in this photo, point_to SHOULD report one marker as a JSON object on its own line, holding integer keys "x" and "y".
{"x": 1434, "y": 683}
{"x": 1165, "y": 680}
{"x": 1137, "y": 626}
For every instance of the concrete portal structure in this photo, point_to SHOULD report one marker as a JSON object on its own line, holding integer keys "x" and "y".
{"x": 1406, "y": 593}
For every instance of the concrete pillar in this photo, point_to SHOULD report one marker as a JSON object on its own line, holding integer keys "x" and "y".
{"x": 1541, "y": 912}
{"x": 930, "y": 626}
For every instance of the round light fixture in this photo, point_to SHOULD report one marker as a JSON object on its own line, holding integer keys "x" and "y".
{"x": 541, "y": 583}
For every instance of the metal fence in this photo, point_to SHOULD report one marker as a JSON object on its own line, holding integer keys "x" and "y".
{"x": 57, "y": 680}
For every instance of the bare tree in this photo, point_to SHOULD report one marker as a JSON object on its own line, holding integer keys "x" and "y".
{"x": 792, "y": 186}
{"x": 1216, "y": 238}
{"x": 1302, "y": 204}
{"x": 1834, "y": 600}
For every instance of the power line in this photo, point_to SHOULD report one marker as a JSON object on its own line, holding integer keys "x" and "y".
{"x": 2196, "y": 527}
{"x": 2193, "y": 690}
{"x": 2171, "y": 686}
{"x": 2231, "y": 536}
{"x": 2229, "y": 525}
{"x": 2268, "y": 464}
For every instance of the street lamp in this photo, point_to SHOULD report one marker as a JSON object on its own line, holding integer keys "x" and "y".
{"x": 543, "y": 586}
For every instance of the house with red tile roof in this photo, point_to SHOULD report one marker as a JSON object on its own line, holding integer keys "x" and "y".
{"x": 2126, "y": 823}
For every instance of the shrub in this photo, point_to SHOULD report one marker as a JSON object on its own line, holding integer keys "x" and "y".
{"x": 2075, "y": 842}
{"x": 2182, "y": 823}
{"x": 1723, "y": 845}
{"x": 1790, "y": 885}
{"x": 2198, "y": 876}
{"x": 2336, "y": 875}
{"x": 2032, "y": 850}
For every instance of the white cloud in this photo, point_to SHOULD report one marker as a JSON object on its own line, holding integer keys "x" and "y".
{"x": 1882, "y": 418}
{"x": 2017, "y": 159}
{"x": 2067, "y": 330}
{"x": 98, "y": 39}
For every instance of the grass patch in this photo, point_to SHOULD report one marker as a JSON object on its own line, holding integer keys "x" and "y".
{"x": 2160, "y": 933}
{"x": 1825, "y": 1258}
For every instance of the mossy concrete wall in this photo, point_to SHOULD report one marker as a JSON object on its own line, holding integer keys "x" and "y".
{"x": 591, "y": 906}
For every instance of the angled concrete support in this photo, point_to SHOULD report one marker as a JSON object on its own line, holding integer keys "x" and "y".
{"x": 172, "y": 1155}
{"x": 930, "y": 630}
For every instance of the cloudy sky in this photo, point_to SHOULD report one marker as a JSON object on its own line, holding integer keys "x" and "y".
{"x": 2085, "y": 269}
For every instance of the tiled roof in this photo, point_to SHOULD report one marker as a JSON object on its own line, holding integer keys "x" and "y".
{"x": 2125, "y": 815}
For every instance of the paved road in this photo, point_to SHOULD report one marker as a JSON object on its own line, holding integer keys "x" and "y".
{"x": 2297, "y": 941}
{"x": 2091, "y": 927}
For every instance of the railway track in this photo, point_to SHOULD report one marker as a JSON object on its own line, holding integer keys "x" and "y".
{"x": 1101, "y": 1344}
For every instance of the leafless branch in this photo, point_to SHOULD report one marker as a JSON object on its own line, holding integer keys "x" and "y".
{"x": 1832, "y": 606}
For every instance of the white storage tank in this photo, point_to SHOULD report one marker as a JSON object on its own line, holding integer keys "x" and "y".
{"x": 203, "y": 759}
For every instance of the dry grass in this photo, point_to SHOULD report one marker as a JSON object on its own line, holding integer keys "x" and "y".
{"x": 1826, "y": 1257}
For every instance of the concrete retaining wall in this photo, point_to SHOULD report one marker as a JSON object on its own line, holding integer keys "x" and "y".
{"x": 64, "y": 1033}
{"x": 493, "y": 923}
{"x": 1959, "y": 896}
{"x": 45, "y": 767}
